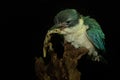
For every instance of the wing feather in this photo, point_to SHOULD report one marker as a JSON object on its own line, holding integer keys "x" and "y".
{"x": 95, "y": 33}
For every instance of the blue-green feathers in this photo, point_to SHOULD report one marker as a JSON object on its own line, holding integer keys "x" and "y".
{"x": 95, "y": 33}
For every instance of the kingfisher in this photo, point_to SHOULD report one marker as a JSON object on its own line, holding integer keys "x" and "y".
{"x": 79, "y": 31}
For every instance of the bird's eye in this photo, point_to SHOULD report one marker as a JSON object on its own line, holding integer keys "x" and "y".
{"x": 68, "y": 22}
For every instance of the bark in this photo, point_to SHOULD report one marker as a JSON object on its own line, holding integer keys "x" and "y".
{"x": 60, "y": 69}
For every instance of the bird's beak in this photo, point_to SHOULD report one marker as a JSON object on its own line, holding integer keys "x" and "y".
{"x": 60, "y": 26}
{"x": 56, "y": 26}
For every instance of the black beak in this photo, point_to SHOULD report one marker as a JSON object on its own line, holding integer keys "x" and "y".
{"x": 60, "y": 26}
{"x": 56, "y": 26}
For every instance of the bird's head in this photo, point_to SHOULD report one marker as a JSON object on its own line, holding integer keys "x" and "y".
{"x": 66, "y": 18}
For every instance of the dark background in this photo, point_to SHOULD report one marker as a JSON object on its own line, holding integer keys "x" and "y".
{"x": 30, "y": 21}
{"x": 3, "y": 19}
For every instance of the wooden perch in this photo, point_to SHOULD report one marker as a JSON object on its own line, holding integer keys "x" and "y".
{"x": 60, "y": 69}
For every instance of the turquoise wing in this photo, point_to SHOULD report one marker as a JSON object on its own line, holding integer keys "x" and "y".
{"x": 95, "y": 33}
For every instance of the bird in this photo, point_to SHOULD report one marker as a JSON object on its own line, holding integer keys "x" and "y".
{"x": 79, "y": 31}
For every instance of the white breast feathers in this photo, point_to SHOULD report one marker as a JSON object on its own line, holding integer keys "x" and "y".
{"x": 77, "y": 35}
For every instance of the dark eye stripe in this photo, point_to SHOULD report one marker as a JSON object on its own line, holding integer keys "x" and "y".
{"x": 68, "y": 22}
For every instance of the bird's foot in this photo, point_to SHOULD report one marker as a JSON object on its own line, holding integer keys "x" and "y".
{"x": 96, "y": 58}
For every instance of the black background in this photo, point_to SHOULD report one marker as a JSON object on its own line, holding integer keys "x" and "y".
{"x": 29, "y": 22}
